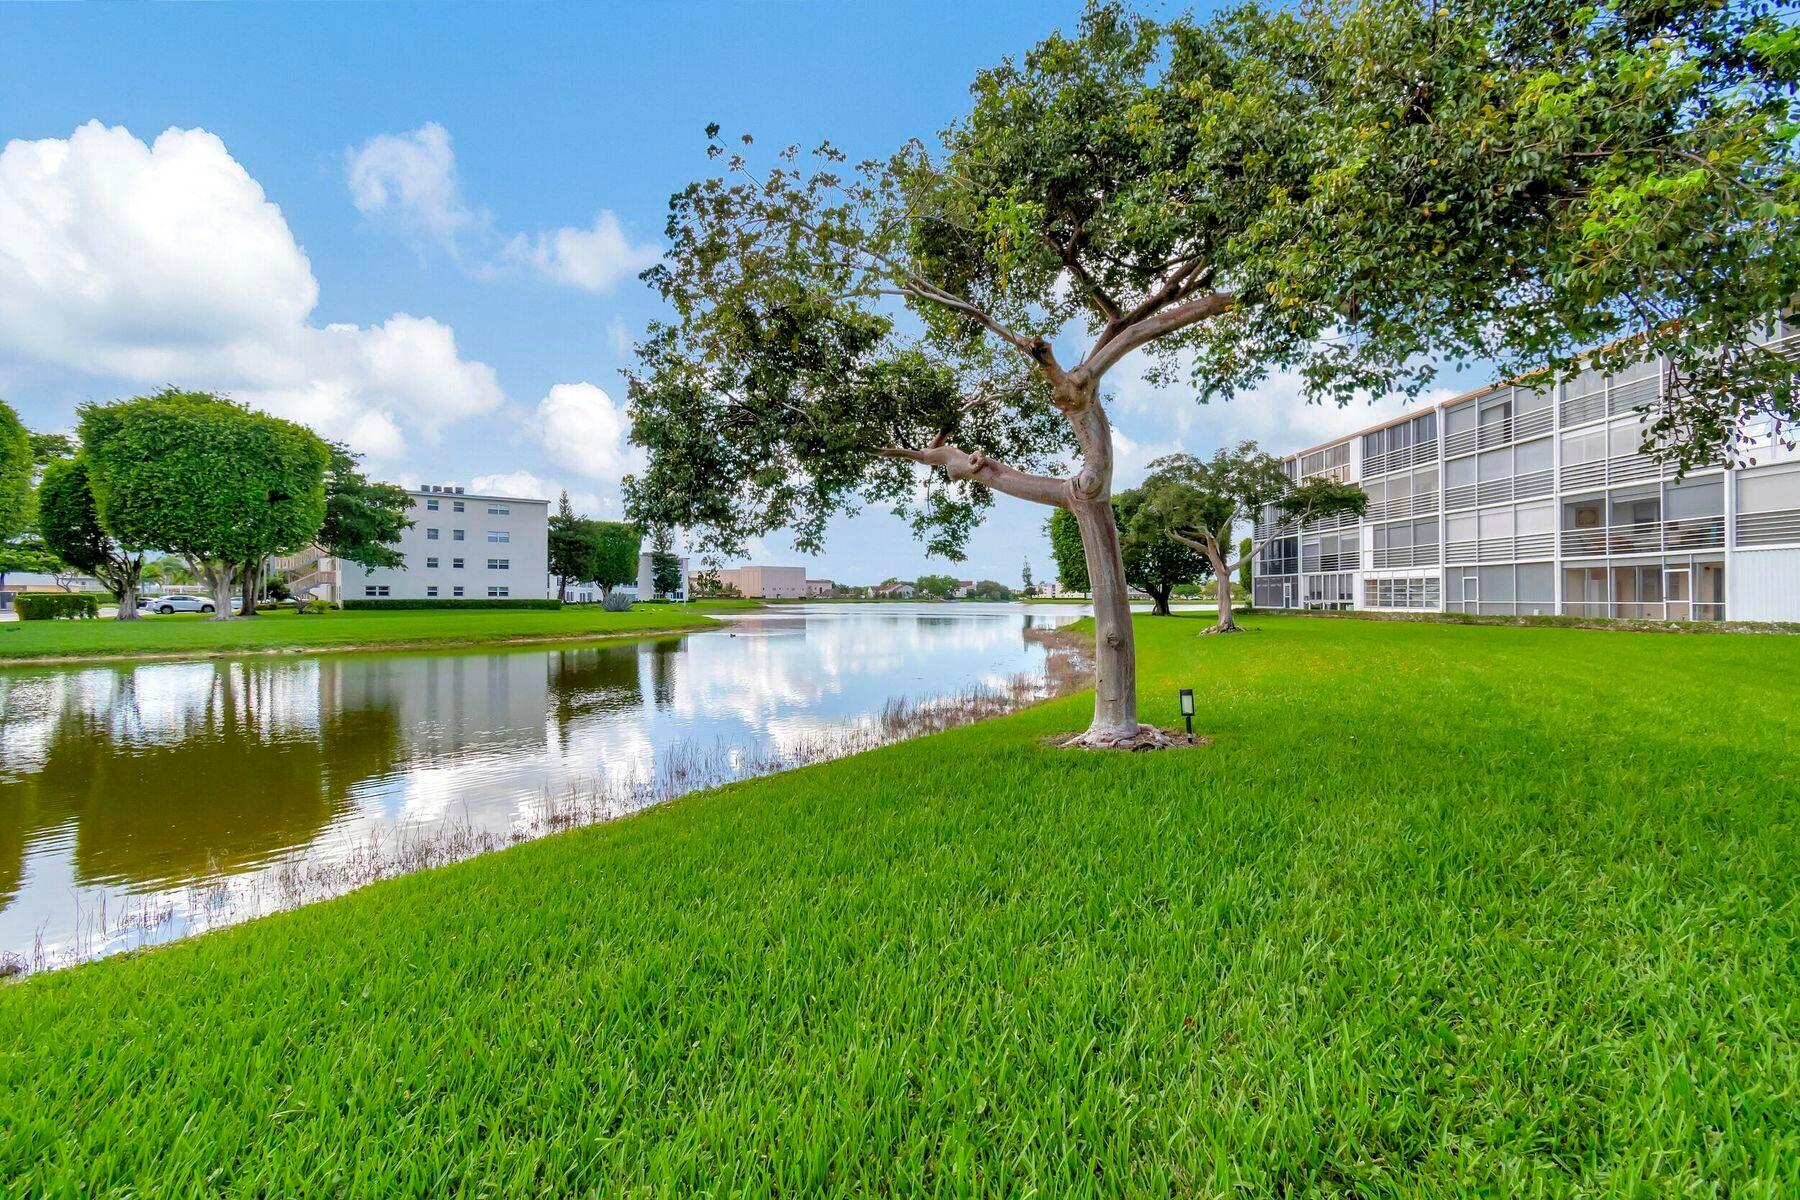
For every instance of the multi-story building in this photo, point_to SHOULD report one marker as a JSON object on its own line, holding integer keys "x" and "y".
{"x": 1512, "y": 500}
{"x": 461, "y": 547}
{"x": 768, "y": 583}
{"x": 589, "y": 592}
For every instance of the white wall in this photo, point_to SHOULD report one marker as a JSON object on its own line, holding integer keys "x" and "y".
{"x": 1763, "y": 585}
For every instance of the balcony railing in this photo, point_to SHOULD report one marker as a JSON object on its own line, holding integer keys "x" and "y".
{"x": 1405, "y": 556}
{"x": 1489, "y": 434}
{"x": 1524, "y": 546}
{"x": 1422, "y": 505}
{"x": 1645, "y": 537}
{"x": 1322, "y": 563}
{"x": 1762, "y": 529}
{"x": 1653, "y": 610}
{"x": 1579, "y": 410}
{"x": 1498, "y": 491}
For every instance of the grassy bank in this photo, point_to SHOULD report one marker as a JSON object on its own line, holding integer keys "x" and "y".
{"x": 1442, "y": 911}
{"x": 193, "y": 635}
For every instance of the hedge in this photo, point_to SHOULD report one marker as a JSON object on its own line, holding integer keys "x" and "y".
{"x": 439, "y": 602}
{"x": 47, "y": 606}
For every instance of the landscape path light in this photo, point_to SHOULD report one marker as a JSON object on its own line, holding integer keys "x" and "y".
{"x": 1187, "y": 709}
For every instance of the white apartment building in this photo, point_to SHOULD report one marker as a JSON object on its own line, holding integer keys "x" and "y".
{"x": 588, "y": 592}
{"x": 462, "y": 547}
{"x": 1517, "y": 501}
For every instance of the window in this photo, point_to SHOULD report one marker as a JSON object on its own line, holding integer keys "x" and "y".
{"x": 1496, "y": 464}
{"x": 431, "y": 535}
{"x": 431, "y": 562}
{"x": 456, "y": 535}
{"x": 1578, "y": 448}
{"x": 1459, "y": 472}
{"x": 499, "y": 564}
{"x": 431, "y": 591}
{"x": 499, "y": 510}
{"x": 1537, "y": 588}
{"x": 1532, "y": 456}
{"x": 456, "y": 506}
{"x": 456, "y": 591}
{"x": 1701, "y": 498}
{"x": 1768, "y": 491}
{"x": 457, "y": 563}
{"x": 498, "y": 592}
{"x": 376, "y": 589}
{"x": 431, "y": 505}
{"x": 499, "y": 535}
{"x": 1584, "y": 592}
{"x": 1460, "y": 419}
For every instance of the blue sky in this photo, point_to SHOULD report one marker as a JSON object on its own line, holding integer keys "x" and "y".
{"x": 418, "y": 226}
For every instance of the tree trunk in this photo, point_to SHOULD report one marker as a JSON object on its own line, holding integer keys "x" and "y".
{"x": 128, "y": 590}
{"x": 252, "y": 579}
{"x": 1159, "y": 600}
{"x": 220, "y": 577}
{"x": 1222, "y": 576}
{"x": 1115, "y": 652}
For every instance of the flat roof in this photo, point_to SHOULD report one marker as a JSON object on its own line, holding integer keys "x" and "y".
{"x": 476, "y": 496}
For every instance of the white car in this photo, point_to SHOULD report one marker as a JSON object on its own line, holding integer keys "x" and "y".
{"x": 176, "y": 604}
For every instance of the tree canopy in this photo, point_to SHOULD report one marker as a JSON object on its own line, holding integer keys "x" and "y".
{"x": 364, "y": 519}
{"x": 16, "y": 461}
{"x": 206, "y": 478}
{"x": 1346, "y": 191}
{"x": 69, "y": 524}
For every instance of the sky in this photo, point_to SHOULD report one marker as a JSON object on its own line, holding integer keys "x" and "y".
{"x": 418, "y": 228}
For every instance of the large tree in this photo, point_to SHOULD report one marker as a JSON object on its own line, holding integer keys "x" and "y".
{"x": 70, "y": 525}
{"x": 616, "y": 548}
{"x": 1342, "y": 191}
{"x": 16, "y": 462}
{"x": 205, "y": 478}
{"x": 1198, "y": 504}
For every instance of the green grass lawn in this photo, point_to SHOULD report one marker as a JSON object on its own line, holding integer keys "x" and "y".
{"x": 1443, "y": 911}
{"x": 281, "y": 629}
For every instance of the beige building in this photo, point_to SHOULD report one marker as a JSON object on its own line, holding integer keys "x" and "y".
{"x": 766, "y": 583}
{"x": 820, "y": 587}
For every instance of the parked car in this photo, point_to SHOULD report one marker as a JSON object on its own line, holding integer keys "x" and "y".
{"x": 180, "y": 604}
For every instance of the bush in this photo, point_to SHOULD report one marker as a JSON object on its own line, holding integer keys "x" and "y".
{"x": 617, "y": 602}
{"x": 473, "y": 602}
{"x": 316, "y": 605}
{"x": 47, "y": 606}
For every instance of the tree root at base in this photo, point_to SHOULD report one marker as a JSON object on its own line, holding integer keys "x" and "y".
{"x": 1147, "y": 737}
{"x": 1222, "y": 629}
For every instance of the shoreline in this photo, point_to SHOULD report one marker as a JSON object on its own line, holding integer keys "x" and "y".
{"x": 710, "y": 624}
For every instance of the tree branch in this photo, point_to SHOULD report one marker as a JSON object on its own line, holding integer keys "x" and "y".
{"x": 979, "y": 468}
{"x": 1110, "y": 349}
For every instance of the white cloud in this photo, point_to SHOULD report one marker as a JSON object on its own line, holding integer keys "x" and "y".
{"x": 528, "y": 486}
{"x": 583, "y": 430}
{"x": 166, "y": 262}
{"x": 590, "y": 259}
{"x": 411, "y": 179}
{"x": 1274, "y": 414}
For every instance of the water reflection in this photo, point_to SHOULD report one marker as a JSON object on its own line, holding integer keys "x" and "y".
{"x": 129, "y": 781}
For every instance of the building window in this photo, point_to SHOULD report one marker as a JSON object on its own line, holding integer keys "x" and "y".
{"x": 456, "y": 591}
{"x": 431, "y": 591}
{"x": 431, "y": 562}
{"x": 457, "y": 563}
{"x": 376, "y": 589}
{"x": 431, "y": 506}
{"x": 499, "y": 592}
{"x": 499, "y": 510}
{"x": 499, "y": 535}
{"x": 456, "y": 535}
{"x": 456, "y": 506}
{"x": 431, "y": 535}
{"x": 499, "y": 564}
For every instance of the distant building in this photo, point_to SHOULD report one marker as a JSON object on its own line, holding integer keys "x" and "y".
{"x": 588, "y": 592}
{"x": 895, "y": 591}
{"x": 964, "y": 587}
{"x": 820, "y": 587}
{"x": 461, "y": 547}
{"x": 766, "y": 583}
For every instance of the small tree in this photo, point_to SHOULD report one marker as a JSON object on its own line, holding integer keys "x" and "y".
{"x": 665, "y": 568}
{"x": 992, "y": 589}
{"x": 568, "y": 549}
{"x": 206, "y": 478}
{"x": 71, "y": 529}
{"x": 942, "y": 587}
{"x": 615, "y": 548}
{"x": 1198, "y": 504}
{"x": 1153, "y": 563}
{"x": 1026, "y": 587}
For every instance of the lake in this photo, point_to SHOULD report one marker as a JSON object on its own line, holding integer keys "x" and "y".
{"x": 140, "y": 802}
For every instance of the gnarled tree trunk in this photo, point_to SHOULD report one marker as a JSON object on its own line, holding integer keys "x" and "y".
{"x": 219, "y": 577}
{"x": 1222, "y": 575}
{"x": 252, "y": 582}
{"x": 1115, "y": 650}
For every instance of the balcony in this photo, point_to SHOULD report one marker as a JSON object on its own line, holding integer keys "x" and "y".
{"x": 1523, "y": 547}
{"x": 1503, "y": 432}
{"x": 1499, "y": 491}
{"x": 1762, "y": 529}
{"x": 1422, "y": 453}
{"x": 1406, "y": 556}
{"x": 1646, "y": 537}
{"x": 1423, "y": 505}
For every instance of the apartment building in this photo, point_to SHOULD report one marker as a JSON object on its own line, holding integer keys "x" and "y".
{"x": 588, "y": 592}
{"x": 461, "y": 546}
{"x": 1510, "y": 500}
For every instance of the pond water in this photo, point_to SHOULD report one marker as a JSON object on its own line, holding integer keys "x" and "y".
{"x": 141, "y": 802}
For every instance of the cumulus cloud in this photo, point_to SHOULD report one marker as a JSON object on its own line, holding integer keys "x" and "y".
{"x": 166, "y": 262}
{"x": 411, "y": 179}
{"x": 583, "y": 430}
{"x": 529, "y": 486}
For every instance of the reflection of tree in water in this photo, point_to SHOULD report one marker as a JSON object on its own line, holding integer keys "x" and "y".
{"x": 233, "y": 783}
{"x": 665, "y": 668}
{"x": 589, "y": 682}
